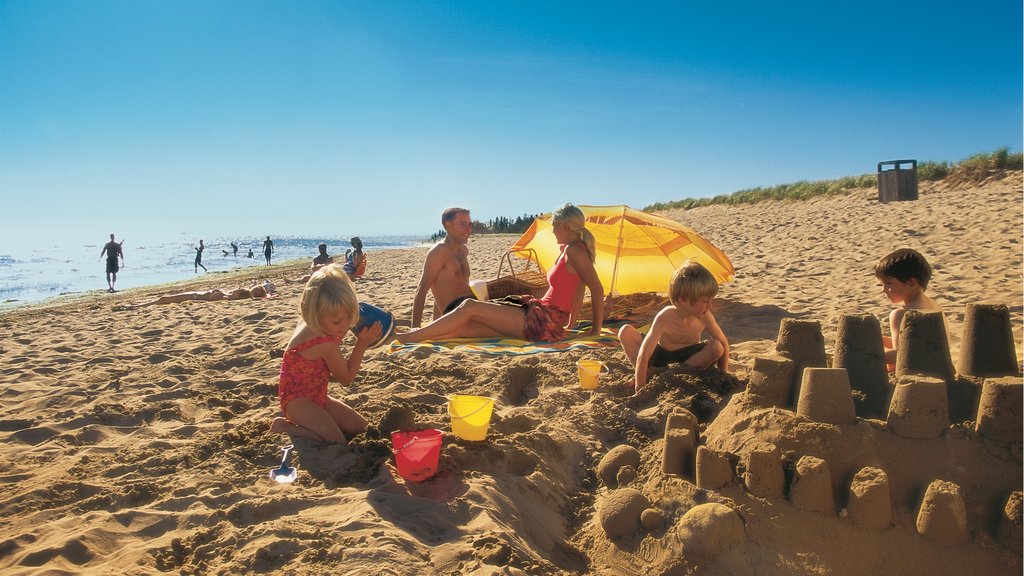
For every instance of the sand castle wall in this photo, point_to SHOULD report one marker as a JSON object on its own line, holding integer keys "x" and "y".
{"x": 802, "y": 342}
{"x": 986, "y": 347}
{"x": 859, "y": 350}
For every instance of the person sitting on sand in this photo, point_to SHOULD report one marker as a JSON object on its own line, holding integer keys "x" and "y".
{"x": 526, "y": 317}
{"x": 355, "y": 260}
{"x": 675, "y": 333}
{"x": 904, "y": 275}
{"x": 446, "y": 269}
{"x": 264, "y": 290}
{"x": 329, "y": 308}
{"x": 320, "y": 260}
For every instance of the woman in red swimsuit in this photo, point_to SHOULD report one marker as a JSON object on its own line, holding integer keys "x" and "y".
{"x": 534, "y": 319}
{"x": 329, "y": 309}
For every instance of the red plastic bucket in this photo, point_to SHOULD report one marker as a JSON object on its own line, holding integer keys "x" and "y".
{"x": 416, "y": 453}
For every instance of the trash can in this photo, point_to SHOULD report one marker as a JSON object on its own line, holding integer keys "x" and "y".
{"x": 897, "y": 180}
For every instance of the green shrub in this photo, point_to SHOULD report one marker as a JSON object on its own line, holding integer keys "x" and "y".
{"x": 975, "y": 168}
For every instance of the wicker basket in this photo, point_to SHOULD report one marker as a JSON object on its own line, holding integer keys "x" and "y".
{"x": 526, "y": 281}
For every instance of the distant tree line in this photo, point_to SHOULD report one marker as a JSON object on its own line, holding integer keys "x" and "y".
{"x": 499, "y": 225}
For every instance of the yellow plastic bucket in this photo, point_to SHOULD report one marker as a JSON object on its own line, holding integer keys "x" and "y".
{"x": 470, "y": 415}
{"x": 590, "y": 373}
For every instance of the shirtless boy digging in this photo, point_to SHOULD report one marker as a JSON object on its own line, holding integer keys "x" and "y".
{"x": 675, "y": 334}
{"x": 446, "y": 270}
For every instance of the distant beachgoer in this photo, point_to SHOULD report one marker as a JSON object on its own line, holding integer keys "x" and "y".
{"x": 113, "y": 251}
{"x": 320, "y": 260}
{"x": 904, "y": 275}
{"x": 355, "y": 260}
{"x": 329, "y": 308}
{"x": 268, "y": 249}
{"x": 250, "y": 254}
{"x": 225, "y": 253}
{"x": 446, "y": 269}
{"x": 264, "y": 290}
{"x": 675, "y": 334}
{"x": 199, "y": 257}
{"x": 234, "y": 249}
{"x": 535, "y": 319}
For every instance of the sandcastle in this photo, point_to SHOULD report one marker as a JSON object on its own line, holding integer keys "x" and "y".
{"x": 924, "y": 346}
{"x": 942, "y": 518}
{"x": 859, "y": 350}
{"x": 764, "y": 475}
{"x": 919, "y": 408}
{"x": 869, "y": 504}
{"x": 999, "y": 410}
{"x": 771, "y": 380}
{"x": 811, "y": 487}
{"x": 802, "y": 342}
{"x": 825, "y": 396}
{"x": 986, "y": 346}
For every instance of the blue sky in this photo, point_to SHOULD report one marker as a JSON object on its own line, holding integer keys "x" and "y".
{"x": 304, "y": 118}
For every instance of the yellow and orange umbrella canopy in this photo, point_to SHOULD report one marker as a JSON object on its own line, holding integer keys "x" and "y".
{"x": 636, "y": 251}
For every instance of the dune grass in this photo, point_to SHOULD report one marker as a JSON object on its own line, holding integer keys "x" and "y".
{"x": 973, "y": 169}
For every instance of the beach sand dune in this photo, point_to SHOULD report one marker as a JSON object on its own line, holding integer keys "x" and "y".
{"x": 137, "y": 442}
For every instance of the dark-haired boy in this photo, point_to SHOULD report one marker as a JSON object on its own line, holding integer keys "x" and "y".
{"x": 904, "y": 275}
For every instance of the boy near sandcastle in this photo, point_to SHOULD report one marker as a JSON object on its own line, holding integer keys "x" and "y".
{"x": 675, "y": 333}
{"x": 904, "y": 275}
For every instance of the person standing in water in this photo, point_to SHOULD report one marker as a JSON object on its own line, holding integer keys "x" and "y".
{"x": 268, "y": 249}
{"x": 234, "y": 250}
{"x": 199, "y": 257}
{"x": 113, "y": 250}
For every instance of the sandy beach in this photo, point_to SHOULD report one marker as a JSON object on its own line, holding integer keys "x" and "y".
{"x": 137, "y": 441}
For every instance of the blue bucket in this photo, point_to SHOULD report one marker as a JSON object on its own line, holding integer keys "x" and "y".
{"x": 368, "y": 314}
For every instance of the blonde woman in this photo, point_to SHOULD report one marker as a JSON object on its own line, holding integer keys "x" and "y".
{"x": 526, "y": 317}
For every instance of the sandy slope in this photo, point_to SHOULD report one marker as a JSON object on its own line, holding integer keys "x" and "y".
{"x": 136, "y": 441}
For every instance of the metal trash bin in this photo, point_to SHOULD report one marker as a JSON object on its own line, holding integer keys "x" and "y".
{"x": 896, "y": 182}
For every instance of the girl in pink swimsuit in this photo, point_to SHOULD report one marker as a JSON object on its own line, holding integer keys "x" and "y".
{"x": 329, "y": 308}
{"x": 534, "y": 319}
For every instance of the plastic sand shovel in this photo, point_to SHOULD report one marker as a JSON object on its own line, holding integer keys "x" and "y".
{"x": 285, "y": 473}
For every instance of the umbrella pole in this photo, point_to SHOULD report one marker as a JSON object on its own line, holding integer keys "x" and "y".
{"x": 615, "y": 267}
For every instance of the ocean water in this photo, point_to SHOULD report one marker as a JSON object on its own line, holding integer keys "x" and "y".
{"x": 32, "y": 272}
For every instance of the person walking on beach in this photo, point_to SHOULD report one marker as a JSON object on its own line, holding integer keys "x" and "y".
{"x": 234, "y": 250}
{"x": 446, "y": 269}
{"x": 113, "y": 250}
{"x": 199, "y": 257}
{"x": 268, "y": 249}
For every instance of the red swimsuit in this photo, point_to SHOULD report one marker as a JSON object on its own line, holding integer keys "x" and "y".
{"x": 303, "y": 378}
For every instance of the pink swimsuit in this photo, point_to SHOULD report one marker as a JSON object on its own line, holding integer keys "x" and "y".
{"x": 546, "y": 317}
{"x": 303, "y": 378}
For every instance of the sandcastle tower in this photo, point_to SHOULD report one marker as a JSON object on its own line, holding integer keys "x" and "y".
{"x": 764, "y": 476}
{"x": 825, "y": 396}
{"x": 919, "y": 408}
{"x": 802, "y": 342}
{"x": 1010, "y": 533}
{"x": 987, "y": 348}
{"x": 870, "y": 501}
{"x": 714, "y": 469}
{"x": 681, "y": 436}
{"x": 771, "y": 381}
{"x": 923, "y": 346}
{"x": 811, "y": 488}
{"x": 942, "y": 518}
{"x": 999, "y": 411}
{"x": 859, "y": 350}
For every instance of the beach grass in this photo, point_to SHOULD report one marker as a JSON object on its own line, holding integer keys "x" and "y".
{"x": 973, "y": 169}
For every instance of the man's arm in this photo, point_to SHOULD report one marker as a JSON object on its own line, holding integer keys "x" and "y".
{"x": 431, "y": 268}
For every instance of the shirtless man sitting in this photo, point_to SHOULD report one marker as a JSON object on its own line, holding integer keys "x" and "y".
{"x": 446, "y": 270}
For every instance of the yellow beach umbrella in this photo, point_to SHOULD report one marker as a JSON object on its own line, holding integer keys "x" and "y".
{"x": 636, "y": 251}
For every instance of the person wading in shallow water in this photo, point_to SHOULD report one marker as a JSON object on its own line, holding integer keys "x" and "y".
{"x": 113, "y": 250}
{"x": 199, "y": 257}
{"x": 268, "y": 249}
